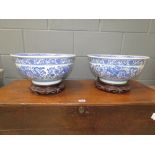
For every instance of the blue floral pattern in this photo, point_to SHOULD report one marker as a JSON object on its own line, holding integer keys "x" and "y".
{"x": 127, "y": 62}
{"x": 44, "y": 67}
{"x": 117, "y": 69}
{"x": 45, "y": 73}
{"x": 44, "y": 61}
{"x": 115, "y": 73}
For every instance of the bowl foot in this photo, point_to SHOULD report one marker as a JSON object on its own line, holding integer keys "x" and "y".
{"x": 45, "y": 90}
{"x": 43, "y": 83}
{"x": 116, "y": 89}
{"x": 113, "y": 82}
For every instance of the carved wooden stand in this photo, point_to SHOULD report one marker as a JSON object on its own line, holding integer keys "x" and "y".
{"x": 116, "y": 89}
{"x": 45, "y": 90}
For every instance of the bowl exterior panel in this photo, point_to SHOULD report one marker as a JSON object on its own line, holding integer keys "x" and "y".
{"x": 117, "y": 68}
{"x": 44, "y": 68}
{"x": 45, "y": 72}
{"x": 44, "y": 61}
{"x": 124, "y": 62}
{"x": 115, "y": 73}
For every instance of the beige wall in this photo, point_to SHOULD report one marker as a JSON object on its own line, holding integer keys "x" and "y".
{"x": 80, "y": 37}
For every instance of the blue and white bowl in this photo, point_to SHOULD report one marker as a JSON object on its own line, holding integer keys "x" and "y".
{"x": 44, "y": 68}
{"x": 116, "y": 69}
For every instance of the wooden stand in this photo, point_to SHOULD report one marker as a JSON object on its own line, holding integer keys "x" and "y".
{"x": 45, "y": 90}
{"x": 116, "y": 89}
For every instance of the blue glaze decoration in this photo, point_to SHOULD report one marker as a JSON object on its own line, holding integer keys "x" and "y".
{"x": 44, "y": 66}
{"x": 116, "y": 68}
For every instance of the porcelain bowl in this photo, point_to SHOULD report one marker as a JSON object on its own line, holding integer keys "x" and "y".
{"x": 44, "y": 68}
{"x": 116, "y": 69}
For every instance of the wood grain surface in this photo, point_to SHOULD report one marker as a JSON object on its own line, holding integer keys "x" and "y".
{"x": 76, "y": 91}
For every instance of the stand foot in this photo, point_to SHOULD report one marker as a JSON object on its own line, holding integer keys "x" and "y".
{"x": 116, "y": 89}
{"x": 45, "y": 90}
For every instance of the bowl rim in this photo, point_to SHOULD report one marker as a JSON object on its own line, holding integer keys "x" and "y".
{"x": 117, "y": 56}
{"x": 48, "y": 55}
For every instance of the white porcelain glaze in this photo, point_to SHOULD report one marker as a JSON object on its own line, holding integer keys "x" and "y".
{"x": 116, "y": 69}
{"x": 44, "y": 68}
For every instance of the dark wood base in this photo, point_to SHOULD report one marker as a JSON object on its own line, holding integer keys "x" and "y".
{"x": 45, "y": 90}
{"x": 116, "y": 89}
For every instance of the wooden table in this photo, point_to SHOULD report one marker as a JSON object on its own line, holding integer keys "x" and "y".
{"x": 79, "y": 109}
